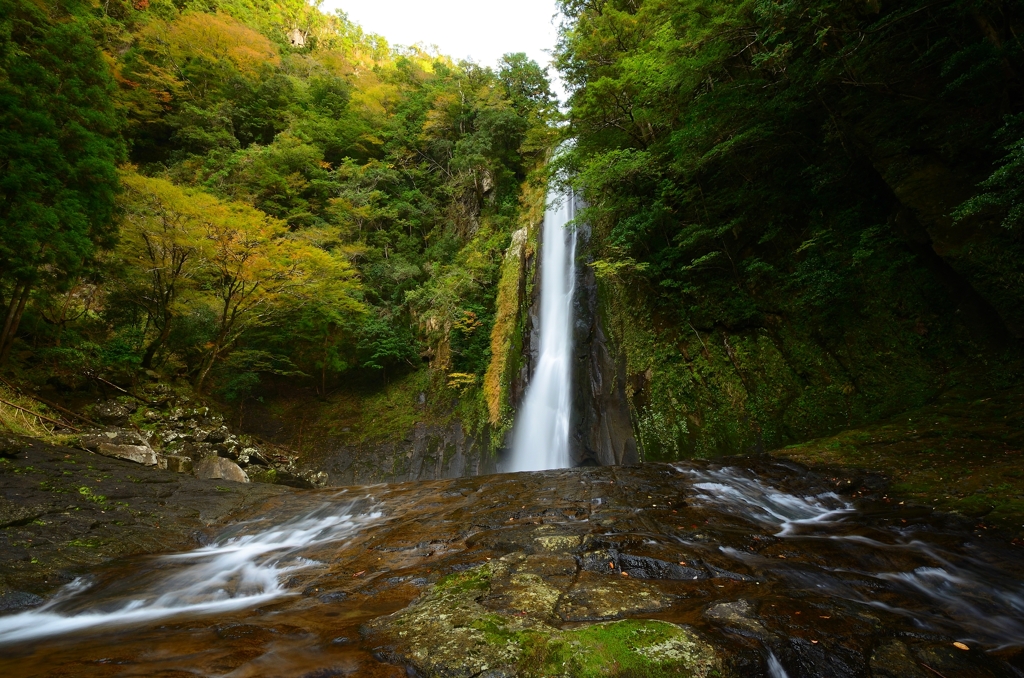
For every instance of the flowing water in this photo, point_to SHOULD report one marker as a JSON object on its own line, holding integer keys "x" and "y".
{"x": 780, "y": 569}
{"x": 541, "y": 438}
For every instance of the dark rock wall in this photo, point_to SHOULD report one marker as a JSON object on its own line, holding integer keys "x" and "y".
{"x": 601, "y": 428}
{"x": 425, "y": 453}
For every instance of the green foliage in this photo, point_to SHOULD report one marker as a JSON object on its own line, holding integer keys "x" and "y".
{"x": 1002, "y": 192}
{"x": 303, "y": 203}
{"x": 771, "y": 187}
{"x": 58, "y": 142}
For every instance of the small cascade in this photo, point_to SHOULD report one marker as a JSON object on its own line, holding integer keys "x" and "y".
{"x": 241, "y": 570}
{"x": 960, "y": 594}
{"x": 541, "y": 439}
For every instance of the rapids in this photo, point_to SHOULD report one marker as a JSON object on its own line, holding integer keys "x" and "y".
{"x": 779, "y": 570}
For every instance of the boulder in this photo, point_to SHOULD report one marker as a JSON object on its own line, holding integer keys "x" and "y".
{"x": 111, "y": 412}
{"x": 140, "y": 454}
{"x": 219, "y": 468}
{"x": 179, "y": 464}
{"x": 112, "y": 436}
{"x": 175, "y": 463}
{"x": 10, "y": 446}
{"x": 738, "y": 616}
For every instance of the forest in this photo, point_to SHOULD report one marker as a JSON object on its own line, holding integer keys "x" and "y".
{"x": 219, "y": 193}
{"x": 807, "y": 215}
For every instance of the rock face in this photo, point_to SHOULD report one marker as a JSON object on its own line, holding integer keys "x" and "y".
{"x": 602, "y": 429}
{"x": 425, "y": 453}
{"x": 219, "y": 468}
{"x": 91, "y": 508}
{"x": 121, "y": 444}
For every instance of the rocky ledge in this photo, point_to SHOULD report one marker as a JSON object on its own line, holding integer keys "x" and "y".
{"x": 174, "y": 432}
{"x": 64, "y": 510}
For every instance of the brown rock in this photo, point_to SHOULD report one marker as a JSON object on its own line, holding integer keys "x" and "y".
{"x": 212, "y": 468}
{"x": 140, "y": 454}
{"x": 179, "y": 464}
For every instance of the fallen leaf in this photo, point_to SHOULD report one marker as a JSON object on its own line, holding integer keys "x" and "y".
{"x": 961, "y": 646}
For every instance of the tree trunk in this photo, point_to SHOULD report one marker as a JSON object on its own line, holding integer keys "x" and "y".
{"x": 9, "y": 318}
{"x": 12, "y": 322}
{"x": 154, "y": 346}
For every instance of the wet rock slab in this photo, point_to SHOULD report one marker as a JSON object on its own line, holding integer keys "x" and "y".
{"x": 63, "y": 510}
{"x": 645, "y": 571}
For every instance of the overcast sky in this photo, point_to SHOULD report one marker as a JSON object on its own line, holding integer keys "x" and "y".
{"x": 481, "y": 30}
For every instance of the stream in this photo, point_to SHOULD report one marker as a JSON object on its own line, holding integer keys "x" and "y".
{"x": 780, "y": 570}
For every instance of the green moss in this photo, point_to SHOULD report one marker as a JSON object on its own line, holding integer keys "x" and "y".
{"x": 92, "y": 496}
{"x": 476, "y": 579}
{"x": 958, "y": 454}
{"x": 633, "y": 647}
{"x": 699, "y": 392}
{"x": 262, "y": 475}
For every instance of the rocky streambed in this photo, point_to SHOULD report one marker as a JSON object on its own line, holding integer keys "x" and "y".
{"x": 752, "y": 568}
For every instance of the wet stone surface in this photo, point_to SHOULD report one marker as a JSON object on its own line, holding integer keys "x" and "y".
{"x": 754, "y": 569}
{"x": 63, "y": 510}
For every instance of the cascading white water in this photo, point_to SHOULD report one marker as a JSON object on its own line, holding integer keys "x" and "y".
{"x": 541, "y": 439}
{"x": 987, "y": 606}
{"x": 238, "y": 571}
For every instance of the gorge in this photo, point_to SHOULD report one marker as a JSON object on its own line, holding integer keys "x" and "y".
{"x": 325, "y": 356}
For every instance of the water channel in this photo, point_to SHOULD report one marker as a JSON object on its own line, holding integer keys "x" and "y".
{"x": 780, "y": 570}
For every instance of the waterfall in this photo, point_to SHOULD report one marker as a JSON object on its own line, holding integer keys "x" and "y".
{"x": 541, "y": 438}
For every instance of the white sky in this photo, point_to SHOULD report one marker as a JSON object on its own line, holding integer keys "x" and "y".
{"x": 480, "y": 30}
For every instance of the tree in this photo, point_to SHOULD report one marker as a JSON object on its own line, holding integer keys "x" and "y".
{"x": 254, "y": 268}
{"x": 161, "y": 248}
{"x": 59, "y": 146}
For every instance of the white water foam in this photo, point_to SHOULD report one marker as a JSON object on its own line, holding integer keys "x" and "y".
{"x": 729, "y": 489}
{"x": 238, "y": 572}
{"x": 775, "y": 669}
{"x": 541, "y": 439}
{"x": 966, "y": 596}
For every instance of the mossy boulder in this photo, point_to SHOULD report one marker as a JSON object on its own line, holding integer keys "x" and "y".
{"x": 497, "y": 620}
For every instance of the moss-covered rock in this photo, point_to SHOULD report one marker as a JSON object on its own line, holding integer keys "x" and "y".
{"x": 501, "y": 619}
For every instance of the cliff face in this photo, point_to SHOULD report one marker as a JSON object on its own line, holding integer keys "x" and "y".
{"x": 602, "y": 429}
{"x": 427, "y": 452}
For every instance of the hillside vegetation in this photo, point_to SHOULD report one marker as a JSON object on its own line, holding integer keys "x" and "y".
{"x": 807, "y": 215}
{"x": 229, "y": 193}
{"x": 809, "y": 212}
